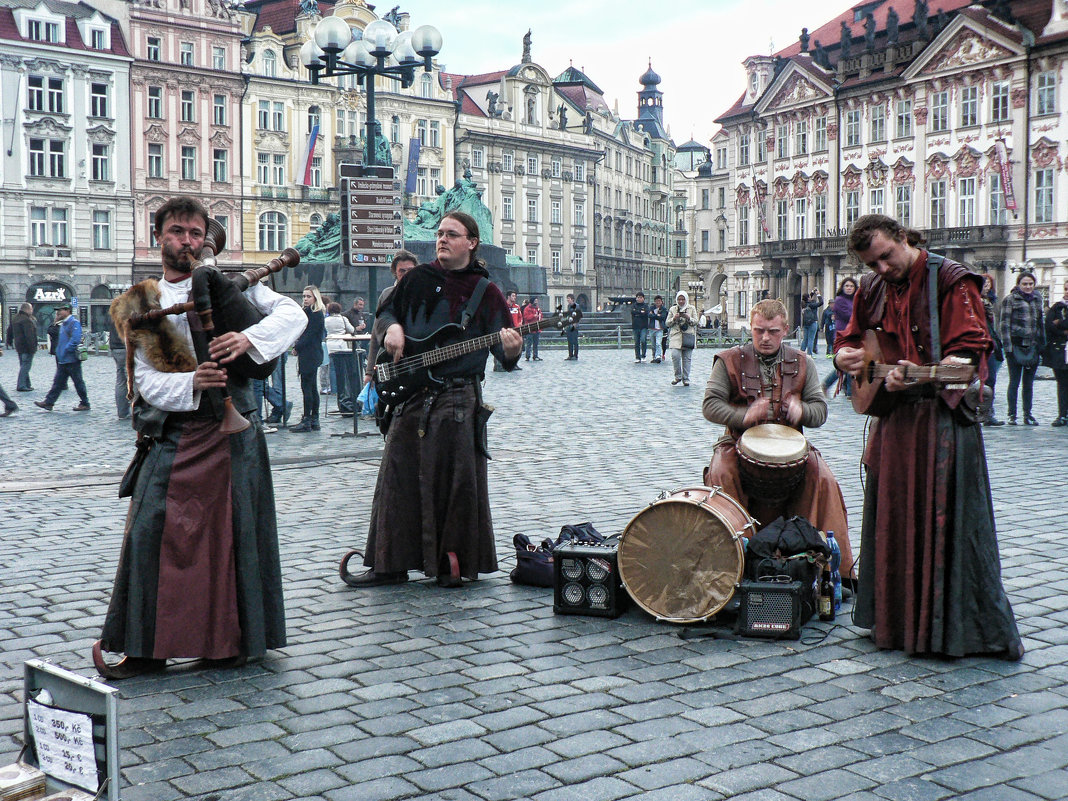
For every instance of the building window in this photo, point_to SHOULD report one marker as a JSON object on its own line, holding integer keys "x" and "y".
{"x": 42, "y": 31}
{"x": 721, "y": 158}
{"x": 554, "y": 260}
{"x": 761, "y": 148}
{"x": 101, "y": 230}
{"x": 478, "y": 157}
{"x": 101, "y": 163}
{"x": 98, "y": 39}
{"x": 852, "y": 128}
{"x": 938, "y": 204}
{"x": 532, "y": 165}
{"x": 852, "y": 207}
{"x": 999, "y": 215}
{"x": 878, "y": 124}
{"x": 220, "y": 165}
{"x": 48, "y": 158}
{"x": 555, "y": 216}
{"x": 580, "y": 172}
{"x": 705, "y": 240}
{"x": 152, "y": 240}
{"x": 782, "y": 148}
{"x": 743, "y": 150}
{"x": 533, "y": 215}
{"x": 155, "y": 102}
{"x": 999, "y": 102}
{"x": 940, "y": 111}
{"x": 98, "y": 100}
{"x": 801, "y": 217}
{"x": 425, "y": 86}
{"x": 903, "y": 127}
{"x": 801, "y": 138}
{"x": 422, "y": 187}
{"x": 507, "y": 212}
{"x": 743, "y": 225}
{"x": 969, "y": 106}
{"x": 532, "y": 255}
{"x": 722, "y": 243}
{"x": 348, "y": 122}
{"x": 278, "y": 116}
{"x": 186, "y": 106}
{"x": 875, "y": 201}
{"x": 782, "y": 224}
{"x": 394, "y": 130}
{"x": 421, "y": 134}
{"x": 48, "y": 226}
{"x": 555, "y": 167}
{"x": 185, "y": 54}
{"x": 1046, "y": 93}
{"x": 218, "y": 110}
{"x": 189, "y": 163}
{"x": 903, "y": 205}
{"x": 152, "y": 48}
{"x": 272, "y": 231}
{"x": 435, "y": 133}
{"x": 316, "y": 176}
{"x": 46, "y": 95}
{"x": 507, "y": 161}
{"x": 314, "y": 118}
{"x": 270, "y": 64}
{"x": 263, "y": 115}
{"x": 278, "y": 169}
{"x": 1044, "y": 195}
{"x": 578, "y": 262}
{"x": 218, "y": 58}
{"x": 579, "y": 217}
{"x": 819, "y": 210}
{"x": 966, "y": 206}
{"x": 819, "y": 134}
{"x": 155, "y": 160}
{"x": 706, "y": 198}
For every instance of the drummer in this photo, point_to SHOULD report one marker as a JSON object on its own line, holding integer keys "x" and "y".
{"x": 767, "y": 381}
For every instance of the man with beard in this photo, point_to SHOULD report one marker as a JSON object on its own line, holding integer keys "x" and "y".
{"x": 431, "y": 504}
{"x": 199, "y": 575}
{"x": 767, "y": 381}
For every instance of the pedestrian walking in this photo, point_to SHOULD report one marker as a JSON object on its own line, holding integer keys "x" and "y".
{"x": 68, "y": 362}
{"x": 22, "y": 336}
{"x": 1057, "y": 353}
{"x": 1023, "y": 337}
{"x": 639, "y": 326}
{"x": 682, "y": 325}
{"x": 309, "y": 347}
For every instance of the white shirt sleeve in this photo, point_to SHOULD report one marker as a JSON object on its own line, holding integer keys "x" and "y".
{"x": 274, "y": 334}
{"x": 171, "y": 392}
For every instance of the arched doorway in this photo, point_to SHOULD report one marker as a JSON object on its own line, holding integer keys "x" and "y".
{"x": 45, "y": 297}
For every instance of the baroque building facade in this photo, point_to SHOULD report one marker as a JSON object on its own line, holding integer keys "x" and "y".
{"x": 947, "y": 116}
{"x": 66, "y": 212}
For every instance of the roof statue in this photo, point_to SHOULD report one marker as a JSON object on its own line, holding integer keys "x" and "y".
{"x": 464, "y": 196}
{"x": 819, "y": 55}
{"x": 869, "y": 32}
{"x": 491, "y": 103}
{"x": 563, "y": 117}
{"x": 393, "y": 16}
{"x": 847, "y": 38}
{"x": 919, "y": 18}
{"x": 309, "y": 7}
{"x": 324, "y": 243}
{"x": 892, "y": 23}
{"x": 526, "y": 47}
{"x": 804, "y": 40}
{"x": 941, "y": 21}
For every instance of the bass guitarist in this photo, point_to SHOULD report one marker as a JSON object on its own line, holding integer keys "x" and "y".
{"x": 930, "y": 575}
{"x": 431, "y": 505}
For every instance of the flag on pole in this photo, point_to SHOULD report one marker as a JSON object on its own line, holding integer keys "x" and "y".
{"x": 309, "y": 154}
{"x": 1006, "y": 174}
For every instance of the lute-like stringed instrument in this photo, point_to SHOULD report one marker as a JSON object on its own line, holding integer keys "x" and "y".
{"x": 396, "y": 381}
{"x": 870, "y": 395}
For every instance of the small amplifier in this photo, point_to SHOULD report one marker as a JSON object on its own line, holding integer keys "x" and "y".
{"x": 769, "y": 609}
{"x": 586, "y": 580}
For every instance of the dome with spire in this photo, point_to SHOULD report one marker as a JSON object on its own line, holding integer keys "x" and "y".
{"x": 650, "y": 78}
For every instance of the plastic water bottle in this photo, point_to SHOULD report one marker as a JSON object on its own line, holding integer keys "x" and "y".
{"x": 836, "y": 563}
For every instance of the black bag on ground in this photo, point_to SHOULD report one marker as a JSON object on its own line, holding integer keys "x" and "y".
{"x": 534, "y": 563}
{"x": 788, "y": 548}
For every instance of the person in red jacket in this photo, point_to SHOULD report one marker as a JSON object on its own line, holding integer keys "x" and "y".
{"x": 531, "y": 314}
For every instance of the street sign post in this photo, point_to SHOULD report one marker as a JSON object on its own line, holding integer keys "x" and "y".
{"x": 372, "y": 219}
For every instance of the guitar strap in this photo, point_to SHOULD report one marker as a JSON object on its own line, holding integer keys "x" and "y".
{"x": 473, "y": 303}
{"x": 934, "y": 263}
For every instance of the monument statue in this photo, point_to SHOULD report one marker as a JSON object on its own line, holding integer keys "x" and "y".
{"x": 526, "y": 47}
{"x": 324, "y": 243}
{"x": 463, "y": 196}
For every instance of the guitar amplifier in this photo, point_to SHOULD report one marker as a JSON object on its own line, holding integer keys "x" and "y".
{"x": 586, "y": 580}
{"x": 769, "y": 609}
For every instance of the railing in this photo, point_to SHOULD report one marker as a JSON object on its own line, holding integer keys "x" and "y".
{"x": 317, "y": 193}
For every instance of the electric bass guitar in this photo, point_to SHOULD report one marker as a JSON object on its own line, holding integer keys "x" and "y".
{"x": 871, "y": 397}
{"x": 396, "y": 381}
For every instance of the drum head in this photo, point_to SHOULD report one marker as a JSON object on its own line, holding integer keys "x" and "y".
{"x": 773, "y": 443}
{"x": 680, "y": 560}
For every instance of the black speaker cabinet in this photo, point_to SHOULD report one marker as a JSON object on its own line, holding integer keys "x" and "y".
{"x": 768, "y": 609}
{"x": 586, "y": 580}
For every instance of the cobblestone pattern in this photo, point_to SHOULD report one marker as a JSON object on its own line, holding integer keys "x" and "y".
{"x": 483, "y": 693}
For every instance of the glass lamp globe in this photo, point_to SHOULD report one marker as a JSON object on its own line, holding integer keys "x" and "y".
{"x": 311, "y": 54}
{"x": 332, "y": 33}
{"x": 403, "y": 50}
{"x": 379, "y": 36}
{"x": 426, "y": 40}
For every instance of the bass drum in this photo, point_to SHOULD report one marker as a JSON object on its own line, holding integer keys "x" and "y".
{"x": 682, "y": 557}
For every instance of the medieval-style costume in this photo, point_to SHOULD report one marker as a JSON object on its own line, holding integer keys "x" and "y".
{"x": 432, "y": 495}
{"x": 930, "y": 576}
{"x": 740, "y": 376}
{"x": 199, "y": 574}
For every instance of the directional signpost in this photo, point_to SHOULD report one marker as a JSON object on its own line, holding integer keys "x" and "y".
{"x": 374, "y": 225}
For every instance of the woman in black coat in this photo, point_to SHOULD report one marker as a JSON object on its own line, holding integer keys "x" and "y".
{"x": 309, "y": 348}
{"x": 1057, "y": 357}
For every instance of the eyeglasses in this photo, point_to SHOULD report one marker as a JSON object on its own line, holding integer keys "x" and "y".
{"x": 452, "y": 235}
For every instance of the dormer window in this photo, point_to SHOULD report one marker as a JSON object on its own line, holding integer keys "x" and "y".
{"x": 42, "y": 31}
{"x": 98, "y": 39}
{"x": 270, "y": 64}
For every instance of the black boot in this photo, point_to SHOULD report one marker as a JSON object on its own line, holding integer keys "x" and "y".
{"x": 314, "y": 422}
{"x": 302, "y": 427}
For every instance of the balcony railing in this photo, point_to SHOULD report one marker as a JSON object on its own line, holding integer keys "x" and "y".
{"x": 936, "y": 237}
{"x": 318, "y": 193}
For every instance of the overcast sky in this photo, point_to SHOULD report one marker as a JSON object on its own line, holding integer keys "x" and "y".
{"x": 696, "y": 46}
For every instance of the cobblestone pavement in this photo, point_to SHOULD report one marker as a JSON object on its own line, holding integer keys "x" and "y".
{"x": 482, "y": 693}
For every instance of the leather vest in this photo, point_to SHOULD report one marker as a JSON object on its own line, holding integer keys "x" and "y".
{"x": 747, "y": 384}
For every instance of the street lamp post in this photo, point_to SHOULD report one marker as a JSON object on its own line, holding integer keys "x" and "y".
{"x": 696, "y": 288}
{"x": 336, "y": 49}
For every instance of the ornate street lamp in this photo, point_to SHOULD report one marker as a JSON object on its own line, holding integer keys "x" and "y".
{"x": 336, "y": 49}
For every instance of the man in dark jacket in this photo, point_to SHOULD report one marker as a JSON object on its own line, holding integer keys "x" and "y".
{"x": 810, "y": 320}
{"x": 639, "y": 323}
{"x": 22, "y": 336}
{"x": 68, "y": 365}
